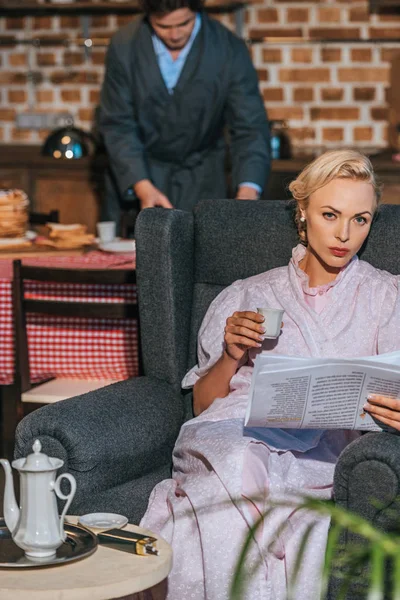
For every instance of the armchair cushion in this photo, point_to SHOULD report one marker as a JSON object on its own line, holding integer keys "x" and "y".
{"x": 120, "y": 435}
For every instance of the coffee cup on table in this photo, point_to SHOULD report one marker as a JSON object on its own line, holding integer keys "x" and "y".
{"x": 272, "y": 323}
{"x": 106, "y": 231}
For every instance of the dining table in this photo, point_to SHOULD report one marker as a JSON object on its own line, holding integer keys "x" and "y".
{"x": 84, "y": 348}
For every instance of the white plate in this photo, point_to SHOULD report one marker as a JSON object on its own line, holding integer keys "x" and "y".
{"x": 119, "y": 246}
{"x": 103, "y": 521}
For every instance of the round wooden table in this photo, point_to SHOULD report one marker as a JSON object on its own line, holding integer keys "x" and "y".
{"x": 106, "y": 574}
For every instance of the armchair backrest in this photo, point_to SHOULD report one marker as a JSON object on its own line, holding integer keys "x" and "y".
{"x": 184, "y": 260}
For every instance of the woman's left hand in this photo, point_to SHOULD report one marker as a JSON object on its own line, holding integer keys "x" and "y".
{"x": 384, "y": 409}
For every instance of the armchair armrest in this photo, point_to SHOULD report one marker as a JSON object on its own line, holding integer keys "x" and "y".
{"x": 367, "y": 482}
{"x": 367, "y": 477}
{"x": 109, "y": 437}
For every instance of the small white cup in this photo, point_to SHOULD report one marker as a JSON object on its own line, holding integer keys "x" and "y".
{"x": 106, "y": 231}
{"x": 272, "y": 324}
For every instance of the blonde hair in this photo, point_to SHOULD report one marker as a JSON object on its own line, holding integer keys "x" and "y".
{"x": 335, "y": 164}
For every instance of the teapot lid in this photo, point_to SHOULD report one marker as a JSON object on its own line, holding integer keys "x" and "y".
{"x": 37, "y": 461}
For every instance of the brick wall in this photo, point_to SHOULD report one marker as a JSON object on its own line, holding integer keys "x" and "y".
{"x": 330, "y": 93}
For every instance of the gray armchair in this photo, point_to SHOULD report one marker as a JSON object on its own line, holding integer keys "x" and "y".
{"x": 118, "y": 441}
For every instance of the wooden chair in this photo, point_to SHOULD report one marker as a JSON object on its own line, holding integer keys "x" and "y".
{"x": 24, "y": 395}
{"x": 39, "y": 218}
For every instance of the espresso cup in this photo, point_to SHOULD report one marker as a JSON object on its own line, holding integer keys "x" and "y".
{"x": 272, "y": 323}
{"x": 106, "y": 231}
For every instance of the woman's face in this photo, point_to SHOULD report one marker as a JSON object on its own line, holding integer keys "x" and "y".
{"x": 339, "y": 217}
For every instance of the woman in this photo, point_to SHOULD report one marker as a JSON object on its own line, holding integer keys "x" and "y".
{"x": 225, "y": 477}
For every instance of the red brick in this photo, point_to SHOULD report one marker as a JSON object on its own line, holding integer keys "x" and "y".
{"x": 302, "y": 55}
{"x": 16, "y": 96}
{"x": 335, "y": 33}
{"x": 301, "y": 134}
{"x": 313, "y": 75}
{"x": 94, "y": 96}
{"x": 364, "y": 74}
{"x": 362, "y": 134}
{"x": 331, "y": 54}
{"x": 262, "y": 74}
{"x": 17, "y": 60}
{"x": 42, "y": 23}
{"x": 361, "y": 54}
{"x": 332, "y": 134}
{"x": 100, "y": 21}
{"x": 386, "y": 33}
{"x": 46, "y": 59}
{"x": 297, "y": 15}
{"x": 15, "y": 23}
{"x": 71, "y": 95}
{"x": 12, "y": 77}
{"x": 332, "y": 94}
{"x": 303, "y": 94}
{"x": 273, "y": 95}
{"x": 74, "y": 58}
{"x": 389, "y": 18}
{"x": 85, "y": 114}
{"x": 379, "y": 113}
{"x": 336, "y": 113}
{"x": 123, "y": 20}
{"x": 98, "y": 57}
{"x": 388, "y": 54}
{"x": 365, "y": 94}
{"x": 359, "y": 14}
{"x": 44, "y": 96}
{"x": 69, "y": 22}
{"x": 271, "y": 55}
{"x": 267, "y": 15}
{"x": 280, "y": 32}
{"x": 277, "y": 113}
{"x": 7, "y": 114}
{"x": 20, "y": 135}
{"x": 329, "y": 14}
{"x": 57, "y": 77}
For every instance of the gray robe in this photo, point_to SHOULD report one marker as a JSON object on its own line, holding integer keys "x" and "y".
{"x": 177, "y": 141}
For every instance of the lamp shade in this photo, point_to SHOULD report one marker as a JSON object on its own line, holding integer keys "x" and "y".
{"x": 67, "y": 142}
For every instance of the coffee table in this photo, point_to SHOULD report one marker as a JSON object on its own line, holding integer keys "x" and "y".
{"x": 106, "y": 574}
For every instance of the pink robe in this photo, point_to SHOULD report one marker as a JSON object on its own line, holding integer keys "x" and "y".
{"x": 224, "y": 477}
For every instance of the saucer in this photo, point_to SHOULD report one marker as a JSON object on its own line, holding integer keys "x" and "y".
{"x": 103, "y": 521}
{"x": 118, "y": 246}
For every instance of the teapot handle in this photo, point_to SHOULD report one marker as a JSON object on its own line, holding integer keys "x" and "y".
{"x": 67, "y": 497}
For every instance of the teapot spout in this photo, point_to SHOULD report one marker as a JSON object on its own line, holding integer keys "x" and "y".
{"x": 11, "y": 510}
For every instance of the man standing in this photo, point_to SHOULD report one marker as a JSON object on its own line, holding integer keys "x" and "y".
{"x": 174, "y": 80}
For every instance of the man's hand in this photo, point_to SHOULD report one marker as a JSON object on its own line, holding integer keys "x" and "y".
{"x": 246, "y": 192}
{"x": 149, "y": 196}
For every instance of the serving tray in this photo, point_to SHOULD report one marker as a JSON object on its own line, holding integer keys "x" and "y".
{"x": 79, "y": 544}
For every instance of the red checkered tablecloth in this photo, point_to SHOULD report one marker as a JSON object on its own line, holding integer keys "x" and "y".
{"x": 72, "y": 347}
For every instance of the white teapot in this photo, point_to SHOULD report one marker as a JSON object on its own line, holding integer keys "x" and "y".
{"x": 36, "y": 527}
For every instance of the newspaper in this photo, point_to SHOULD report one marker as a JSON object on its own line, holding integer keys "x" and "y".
{"x": 328, "y": 393}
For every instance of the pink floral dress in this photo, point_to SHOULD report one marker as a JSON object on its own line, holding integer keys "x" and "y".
{"x": 225, "y": 476}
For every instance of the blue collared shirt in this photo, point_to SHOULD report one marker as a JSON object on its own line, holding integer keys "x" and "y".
{"x": 171, "y": 69}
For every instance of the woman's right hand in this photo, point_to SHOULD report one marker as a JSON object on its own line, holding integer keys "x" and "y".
{"x": 243, "y": 330}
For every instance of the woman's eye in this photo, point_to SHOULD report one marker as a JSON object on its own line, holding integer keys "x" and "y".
{"x": 360, "y": 220}
{"x": 329, "y": 215}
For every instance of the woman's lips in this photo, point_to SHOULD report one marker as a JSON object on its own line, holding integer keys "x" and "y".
{"x": 339, "y": 251}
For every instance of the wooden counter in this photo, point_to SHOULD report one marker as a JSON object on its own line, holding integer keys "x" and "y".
{"x": 74, "y": 187}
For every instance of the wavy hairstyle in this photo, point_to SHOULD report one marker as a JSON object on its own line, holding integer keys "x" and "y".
{"x": 335, "y": 164}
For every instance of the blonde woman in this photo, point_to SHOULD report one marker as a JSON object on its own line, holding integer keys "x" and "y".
{"x": 225, "y": 477}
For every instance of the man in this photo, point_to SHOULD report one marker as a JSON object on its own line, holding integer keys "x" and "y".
{"x": 173, "y": 81}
